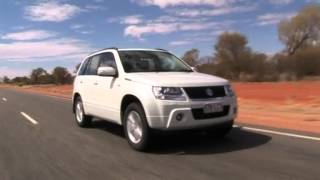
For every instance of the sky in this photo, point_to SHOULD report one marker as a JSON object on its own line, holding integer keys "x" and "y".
{"x": 50, "y": 33}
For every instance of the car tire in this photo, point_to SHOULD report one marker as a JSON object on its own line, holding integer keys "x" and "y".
{"x": 82, "y": 119}
{"x": 221, "y": 130}
{"x": 136, "y": 128}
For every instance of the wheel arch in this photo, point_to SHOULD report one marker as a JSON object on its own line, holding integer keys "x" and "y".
{"x": 126, "y": 100}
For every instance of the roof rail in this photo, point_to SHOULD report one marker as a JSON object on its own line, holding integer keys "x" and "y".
{"x": 111, "y": 48}
{"x": 161, "y": 49}
{"x": 115, "y": 48}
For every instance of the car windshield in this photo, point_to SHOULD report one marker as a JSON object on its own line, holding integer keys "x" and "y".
{"x": 151, "y": 61}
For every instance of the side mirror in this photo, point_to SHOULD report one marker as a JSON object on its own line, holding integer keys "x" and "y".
{"x": 106, "y": 71}
{"x": 194, "y": 69}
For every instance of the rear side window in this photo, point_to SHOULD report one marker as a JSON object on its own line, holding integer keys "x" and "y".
{"x": 92, "y": 67}
{"x": 107, "y": 59}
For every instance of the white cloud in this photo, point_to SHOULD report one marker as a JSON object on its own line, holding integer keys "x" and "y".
{"x": 137, "y": 28}
{"x": 179, "y": 43}
{"x": 203, "y": 35}
{"x": 137, "y": 31}
{"x": 86, "y": 32}
{"x": 80, "y": 28}
{"x": 129, "y": 20}
{"x": 28, "y": 35}
{"x": 77, "y": 26}
{"x": 58, "y": 48}
{"x": 51, "y": 11}
{"x": 273, "y": 18}
{"x": 135, "y": 19}
{"x": 192, "y": 38}
{"x": 212, "y": 12}
{"x": 171, "y": 3}
{"x": 280, "y": 2}
{"x": 94, "y": 7}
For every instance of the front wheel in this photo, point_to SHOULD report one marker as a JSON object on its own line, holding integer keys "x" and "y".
{"x": 136, "y": 127}
{"x": 81, "y": 118}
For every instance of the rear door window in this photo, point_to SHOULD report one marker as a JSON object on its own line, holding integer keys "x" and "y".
{"x": 83, "y": 68}
{"x": 92, "y": 68}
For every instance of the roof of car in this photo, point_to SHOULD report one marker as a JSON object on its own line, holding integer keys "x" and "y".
{"x": 140, "y": 49}
{"x": 125, "y": 49}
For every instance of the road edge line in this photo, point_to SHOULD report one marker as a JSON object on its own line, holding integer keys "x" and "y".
{"x": 278, "y": 133}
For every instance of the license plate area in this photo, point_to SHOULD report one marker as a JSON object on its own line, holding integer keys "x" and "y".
{"x": 213, "y": 108}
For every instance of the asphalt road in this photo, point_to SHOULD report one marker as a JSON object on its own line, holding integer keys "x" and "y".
{"x": 56, "y": 148}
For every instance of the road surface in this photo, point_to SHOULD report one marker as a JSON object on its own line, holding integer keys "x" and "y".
{"x": 39, "y": 139}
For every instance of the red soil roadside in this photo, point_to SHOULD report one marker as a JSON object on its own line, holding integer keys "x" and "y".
{"x": 285, "y": 105}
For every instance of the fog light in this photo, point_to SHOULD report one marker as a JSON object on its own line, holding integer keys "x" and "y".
{"x": 179, "y": 117}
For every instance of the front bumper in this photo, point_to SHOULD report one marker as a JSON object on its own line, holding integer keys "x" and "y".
{"x": 165, "y": 113}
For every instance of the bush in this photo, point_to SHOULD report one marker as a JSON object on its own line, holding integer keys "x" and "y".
{"x": 304, "y": 63}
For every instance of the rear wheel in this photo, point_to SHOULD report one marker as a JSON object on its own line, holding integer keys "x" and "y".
{"x": 136, "y": 127}
{"x": 81, "y": 118}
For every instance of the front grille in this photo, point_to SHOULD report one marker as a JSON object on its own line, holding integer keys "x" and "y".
{"x": 198, "y": 114}
{"x": 198, "y": 93}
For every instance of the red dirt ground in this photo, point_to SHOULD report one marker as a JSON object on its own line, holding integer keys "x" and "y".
{"x": 283, "y": 92}
{"x": 285, "y": 105}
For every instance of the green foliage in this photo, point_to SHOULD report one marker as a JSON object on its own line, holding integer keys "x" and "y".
{"x": 61, "y": 76}
{"x": 21, "y": 81}
{"x": 6, "y": 79}
{"x": 37, "y": 75}
{"x": 303, "y": 63}
{"x": 301, "y": 31}
{"x": 46, "y": 79}
{"x": 236, "y": 61}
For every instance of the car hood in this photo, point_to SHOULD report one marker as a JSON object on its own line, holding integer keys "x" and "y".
{"x": 176, "y": 79}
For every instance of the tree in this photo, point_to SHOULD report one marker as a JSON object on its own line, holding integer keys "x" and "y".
{"x": 36, "y": 75}
{"x": 231, "y": 53}
{"x": 302, "y": 30}
{"x": 206, "y": 60}
{"x": 61, "y": 76}
{"x": 6, "y": 79}
{"x": 191, "y": 57}
{"x": 21, "y": 80}
{"x": 46, "y": 79}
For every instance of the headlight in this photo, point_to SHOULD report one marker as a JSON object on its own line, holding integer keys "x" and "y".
{"x": 229, "y": 91}
{"x": 169, "y": 93}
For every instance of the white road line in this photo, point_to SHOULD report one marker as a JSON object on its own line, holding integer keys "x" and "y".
{"x": 29, "y": 118}
{"x": 4, "y": 99}
{"x": 279, "y": 133}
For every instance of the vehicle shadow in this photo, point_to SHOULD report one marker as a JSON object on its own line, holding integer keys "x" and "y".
{"x": 115, "y": 129}
{"x": 201, "y": 143}
{"x": 184, "y": 143}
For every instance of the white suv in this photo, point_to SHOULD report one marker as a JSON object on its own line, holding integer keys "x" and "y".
{"x": 146, "y": 89}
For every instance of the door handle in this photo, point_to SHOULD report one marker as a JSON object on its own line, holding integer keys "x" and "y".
{"x": 81, "y": 82}
{"x": 95, "y": 83}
